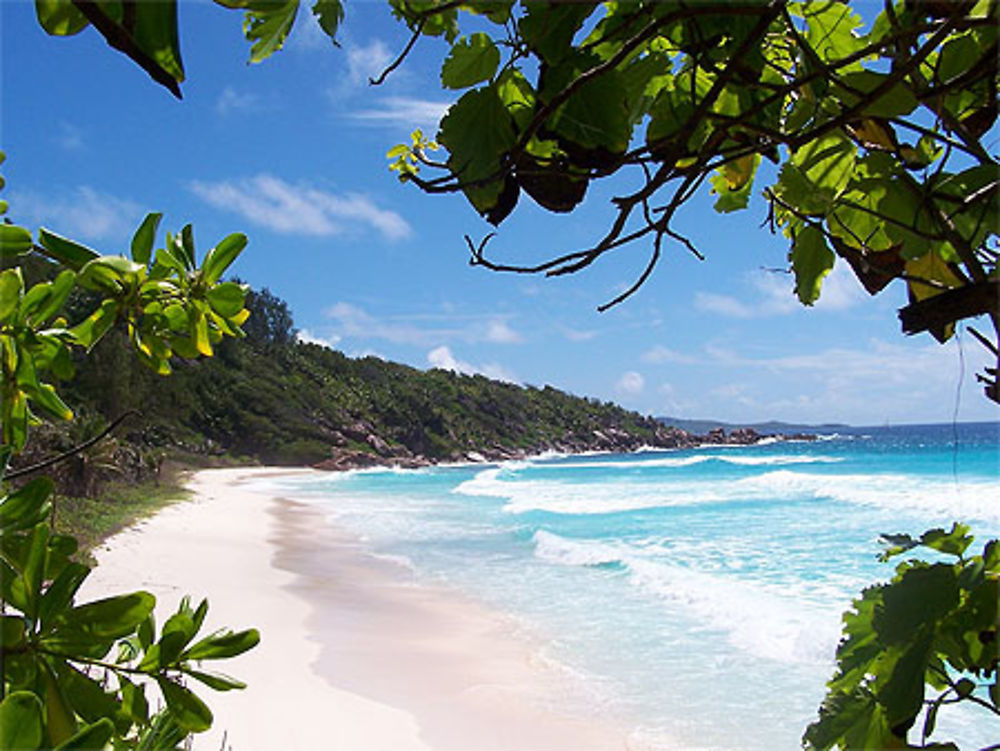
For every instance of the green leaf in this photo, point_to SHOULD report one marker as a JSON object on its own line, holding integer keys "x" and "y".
{"x": 187, "y": 709}
{"x": 59, "y": 290}
{"x": 597, "y": 115}
{"x": 199, "y": 333}
{"x": 733, "y": 183}
{"x": 517, "y": 96}
{"x": 111, "y": 617}
{"x": 222, "y": 256}
{"x": 144, "y": 237}
{"x": 156, "y": 34}
{"x": 66, "y": 251}
{"x": 44, "y": 396}
{"x": 14, "y": 420}
{"x": 910, "y": 223}
{"x": 89, "y": 332}
{"x": 26, "y": 506}
{"x": 183, "y": 247}
{"x": 902, "y": 695}
{"x": 329, "y": 14}
{"x": 897, "y": 544}
{"x": 478, "y": 131}
{"x": 549, "y": 27}
{"x": 897, "y": 100}
{"x": 831, "y": 30}
{"x": 110, "y": 274}
{"x": 134, "y": 703}
{"x": 21, "y": 716}
{"x": 60, "y": 17}
{"x": 178, "y": 631}
{"x": 811, "y": 261}
{"x": 12, "y": 632}
{"x": 470, "y": 61}
{"x": 61, "y": 549}
{"x": 957, "y": 54}
{"x": 89, "y": 737}
{"x": 14, "y": 240}
{"x": 33, "y": 571}
{"x": 59, "y": 596}
{"x": 267, "y": 26}
{"x": 223, "y": 644}
{"x": 920, "y": 597}
{"x": 954, "y": 542}
{"x": 227, "y": 299}
{"x": 146, "y": 632}
{"x": 826, "y": 163}
{"x": 991, "y": 556}
{"x": 11, "y": 288}
{"x": 88, "y": 698}
{"x": 61, "y": 722}
{"x": 218, "y": 681}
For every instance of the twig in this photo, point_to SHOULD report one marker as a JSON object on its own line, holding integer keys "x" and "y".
{"x": 75, "y": 450}
{"x": 380, "y": 79}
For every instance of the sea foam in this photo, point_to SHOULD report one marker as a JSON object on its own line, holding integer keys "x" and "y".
{"x": 773, "y": 623}
{"x": 939, "y": 497}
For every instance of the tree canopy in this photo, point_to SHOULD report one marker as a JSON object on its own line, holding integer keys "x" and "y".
{"x": 875, "y": 131}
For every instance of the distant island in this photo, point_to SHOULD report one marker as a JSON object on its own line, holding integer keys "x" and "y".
{"x": 771, "y": 426}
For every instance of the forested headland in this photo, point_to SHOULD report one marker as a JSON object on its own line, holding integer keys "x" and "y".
{"x": 273, "y": 399}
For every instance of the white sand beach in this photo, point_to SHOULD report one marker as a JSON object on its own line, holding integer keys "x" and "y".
{"x": 353, "y": 655}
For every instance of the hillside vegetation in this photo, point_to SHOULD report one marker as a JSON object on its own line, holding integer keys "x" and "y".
{"x": 273, "y": 399}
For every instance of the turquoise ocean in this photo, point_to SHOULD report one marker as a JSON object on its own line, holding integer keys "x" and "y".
{"x": 697, "y": 593}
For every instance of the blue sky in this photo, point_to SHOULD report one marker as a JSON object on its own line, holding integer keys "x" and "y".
{"x": 292, "y": 152}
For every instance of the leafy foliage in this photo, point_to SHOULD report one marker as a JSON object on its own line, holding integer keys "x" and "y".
{"x": 877, "y": 134}
{"x": 934, "y": 625}
{"x": 75, "y": 675}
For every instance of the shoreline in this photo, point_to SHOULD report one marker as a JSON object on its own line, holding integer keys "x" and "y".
{"x": 611, "y": 441}
{"x": 353, "y": 653}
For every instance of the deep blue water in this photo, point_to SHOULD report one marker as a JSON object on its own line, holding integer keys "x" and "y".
{"x": 697, "y": 593}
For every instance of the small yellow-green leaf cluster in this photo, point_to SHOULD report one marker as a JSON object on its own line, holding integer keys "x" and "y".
{"x": 167, "y": 303}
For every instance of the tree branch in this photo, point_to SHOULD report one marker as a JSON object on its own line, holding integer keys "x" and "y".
{"x": 71, "y": 452}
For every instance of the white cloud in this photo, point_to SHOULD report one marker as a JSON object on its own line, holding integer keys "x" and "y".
{"x": 84, "y": 212}
{"x": 631, "y": 383}
{"x": 442, "y": 357}
{"x": 498, "y": 332}
{"x": 841, "y": 289}
{"x": 70, "y": 137}
{"x": 865, "y": 384}
{"x": 308, "y": 337}
{"x": 579, "y": 335}
{"x": 421, "y": 329}
{"x": 354, "y": 321}
{"x": 231, "y": 100}
{"x": 672, "y": 401}
{"x": 660, "y": 354}
{"x": 367, "y": 61}
{"x": 299, "y": 209}
{"x": 399, "y": 110}
{"x": 307, "y": 35}
{"x": 774, "y": 294}
{"x": 723, "y": 305}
